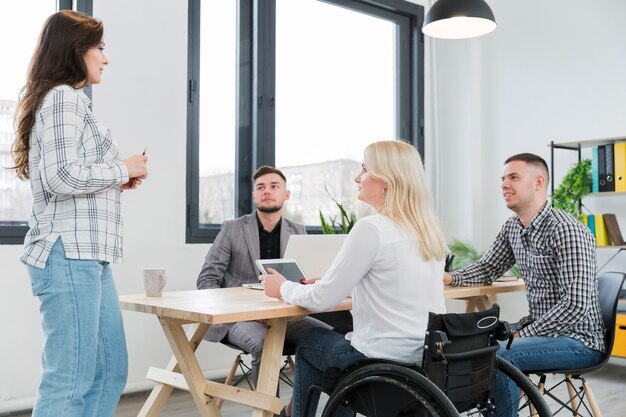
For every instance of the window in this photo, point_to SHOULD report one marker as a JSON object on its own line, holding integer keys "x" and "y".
{"x": 312, "y": 83}
{"x": 217, "y": 112}
{"x": 20, "y": 23}
{"x": 335, "y": 95}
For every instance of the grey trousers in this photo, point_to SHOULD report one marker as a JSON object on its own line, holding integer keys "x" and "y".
{"x": 249, "y": 336}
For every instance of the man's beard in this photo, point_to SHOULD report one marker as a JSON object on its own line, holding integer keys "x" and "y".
{"x": 272, "y": 209}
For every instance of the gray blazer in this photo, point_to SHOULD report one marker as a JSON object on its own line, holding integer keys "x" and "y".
{"x": 230, "y": 260}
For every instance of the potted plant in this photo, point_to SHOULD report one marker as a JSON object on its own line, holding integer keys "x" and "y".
{"x": 332, "y": 226}
{"x": 575, "y": 184}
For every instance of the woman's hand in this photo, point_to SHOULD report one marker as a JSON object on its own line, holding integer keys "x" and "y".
{"x": 272, "y": 282}
{"x": 137, "y": 168}
{"x": 310, "y": 280}
{"x": 132, "y": 184}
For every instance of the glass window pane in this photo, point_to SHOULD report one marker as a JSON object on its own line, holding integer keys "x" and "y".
{"x": 20, "y": 23}
{"x": 335, "y": 94}
{"x": 217, "y": 110}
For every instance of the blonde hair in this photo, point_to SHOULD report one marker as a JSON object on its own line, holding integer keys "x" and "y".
{"x": 408, "y": 201}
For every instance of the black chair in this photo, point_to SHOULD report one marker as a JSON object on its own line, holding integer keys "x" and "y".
{"x": 457, "y": 376}
{"x": 581, "y": 398}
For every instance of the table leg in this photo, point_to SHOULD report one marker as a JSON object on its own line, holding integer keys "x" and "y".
{"x": 270, "y": 361}
{"x": 479, "y": 303}
{"x": 161, "y": 392}
{"x": 189, "y": 366}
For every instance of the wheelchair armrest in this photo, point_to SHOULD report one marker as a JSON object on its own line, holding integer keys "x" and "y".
{"x": 472, "y": 353}
{"x": 320, "y": 389}
{"x": 367, "y": 361}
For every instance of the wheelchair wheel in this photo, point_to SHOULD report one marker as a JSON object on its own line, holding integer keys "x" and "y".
{"x": 389, "y": 390}
{"x": 531, "y": 404}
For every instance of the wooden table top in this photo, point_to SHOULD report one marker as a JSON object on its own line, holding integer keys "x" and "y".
{"x": 498, "y": 287}
{"x": 222, "y": 305}
{"x": 229, "y": 305}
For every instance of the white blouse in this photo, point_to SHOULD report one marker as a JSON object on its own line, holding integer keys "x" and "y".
{"x": 393, "y": 289}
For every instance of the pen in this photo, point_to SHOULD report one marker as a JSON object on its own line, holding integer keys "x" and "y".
{"x": 144, "y": 151}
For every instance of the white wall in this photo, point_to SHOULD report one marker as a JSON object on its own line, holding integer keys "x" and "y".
{"x": 143, "y": 101}
{"x": 551, "y": 71}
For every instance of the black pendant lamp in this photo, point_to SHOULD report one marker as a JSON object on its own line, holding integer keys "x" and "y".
{"x": 459, "y": 19}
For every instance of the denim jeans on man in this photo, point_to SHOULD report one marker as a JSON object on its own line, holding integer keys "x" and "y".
{"x": 319, "y": 349}
{"x": 538, "y": 352}
{"x": 84, "y": 360}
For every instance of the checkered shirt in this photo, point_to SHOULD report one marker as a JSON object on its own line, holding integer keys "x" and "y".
{"x": 75, "y": 177}
{"x": 557, "y": 258}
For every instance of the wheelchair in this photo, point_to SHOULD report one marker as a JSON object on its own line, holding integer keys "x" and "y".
{"x": 456, "y": 378}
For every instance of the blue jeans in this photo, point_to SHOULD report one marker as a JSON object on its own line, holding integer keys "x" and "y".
{"x": 534, "y": 353}
{"x": 84, "y": 361}
{"x": 319, "y": 349}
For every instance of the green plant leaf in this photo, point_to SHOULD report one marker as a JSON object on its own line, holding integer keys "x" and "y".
{"x": 326, "y": 229}
{"x": 466, "y": 254}
{"x": 345, "y": 224}
{"x": 575, "y": 184}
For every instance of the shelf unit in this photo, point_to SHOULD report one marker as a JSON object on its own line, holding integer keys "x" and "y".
{"x": 578, "y": 146}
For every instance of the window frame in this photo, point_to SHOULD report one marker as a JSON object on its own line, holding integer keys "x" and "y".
{"x": 256, "y": 72}
{"x": 13, "y": 232}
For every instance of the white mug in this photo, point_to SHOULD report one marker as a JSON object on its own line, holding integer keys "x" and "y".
{"x": 154, "y": 281}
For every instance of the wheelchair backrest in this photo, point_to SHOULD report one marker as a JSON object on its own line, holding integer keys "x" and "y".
{"x": 460, "y": 356}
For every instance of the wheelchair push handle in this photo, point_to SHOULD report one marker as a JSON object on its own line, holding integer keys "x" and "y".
{"x": 506, "y": 330}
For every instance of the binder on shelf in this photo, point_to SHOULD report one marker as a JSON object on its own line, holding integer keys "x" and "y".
{"x": 602, "y": 236}
{"x": 595, "y": 186}
{"x": 601, "y": 168}
{"x": 610, "y": 179}
{"x": 619, "y": 156}
{"x": 591, "y": 223}
{"x": 584, "y": 219}
{"x": 612, "y": 227}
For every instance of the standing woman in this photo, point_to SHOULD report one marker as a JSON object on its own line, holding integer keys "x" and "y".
{"x": 391, "y": 263}
{"x": 76, "y": 178}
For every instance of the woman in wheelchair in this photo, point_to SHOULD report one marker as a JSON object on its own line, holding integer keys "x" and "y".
{"x": 390, "y": 263}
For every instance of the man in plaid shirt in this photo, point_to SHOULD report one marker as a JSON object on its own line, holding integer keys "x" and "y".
{"x": 556, "y": 255}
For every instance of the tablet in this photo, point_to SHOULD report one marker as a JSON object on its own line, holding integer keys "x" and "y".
{"x": 288, "y": 268}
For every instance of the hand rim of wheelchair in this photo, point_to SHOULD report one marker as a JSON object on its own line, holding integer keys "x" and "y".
{"x": 427, "y": 392}
{"x": 420, "y": 387}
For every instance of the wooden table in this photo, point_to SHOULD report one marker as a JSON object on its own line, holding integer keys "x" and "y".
{"x": 482, "y": 297}
{"x": 202, "y": 308}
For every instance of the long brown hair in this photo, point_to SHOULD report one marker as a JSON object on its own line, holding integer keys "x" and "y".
{"x": 58, "y": 59}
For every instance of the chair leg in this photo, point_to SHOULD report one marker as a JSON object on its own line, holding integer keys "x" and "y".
{"x": 592, "y": 400}
{"x": 540, "y": 387}
{"x": 229, "y": 378}
{"x": 292, "y": 365}
{"x": 573, "y": 395}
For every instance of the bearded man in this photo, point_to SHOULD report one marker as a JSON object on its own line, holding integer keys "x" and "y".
{"x": 262, "y": 234}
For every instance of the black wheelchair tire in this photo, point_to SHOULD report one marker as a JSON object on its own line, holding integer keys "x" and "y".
{"x": 432, "y": 399}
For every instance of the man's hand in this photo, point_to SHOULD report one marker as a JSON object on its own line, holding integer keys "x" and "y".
{"x": 447, "y": 278}
{"x": 272, "y": 282}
